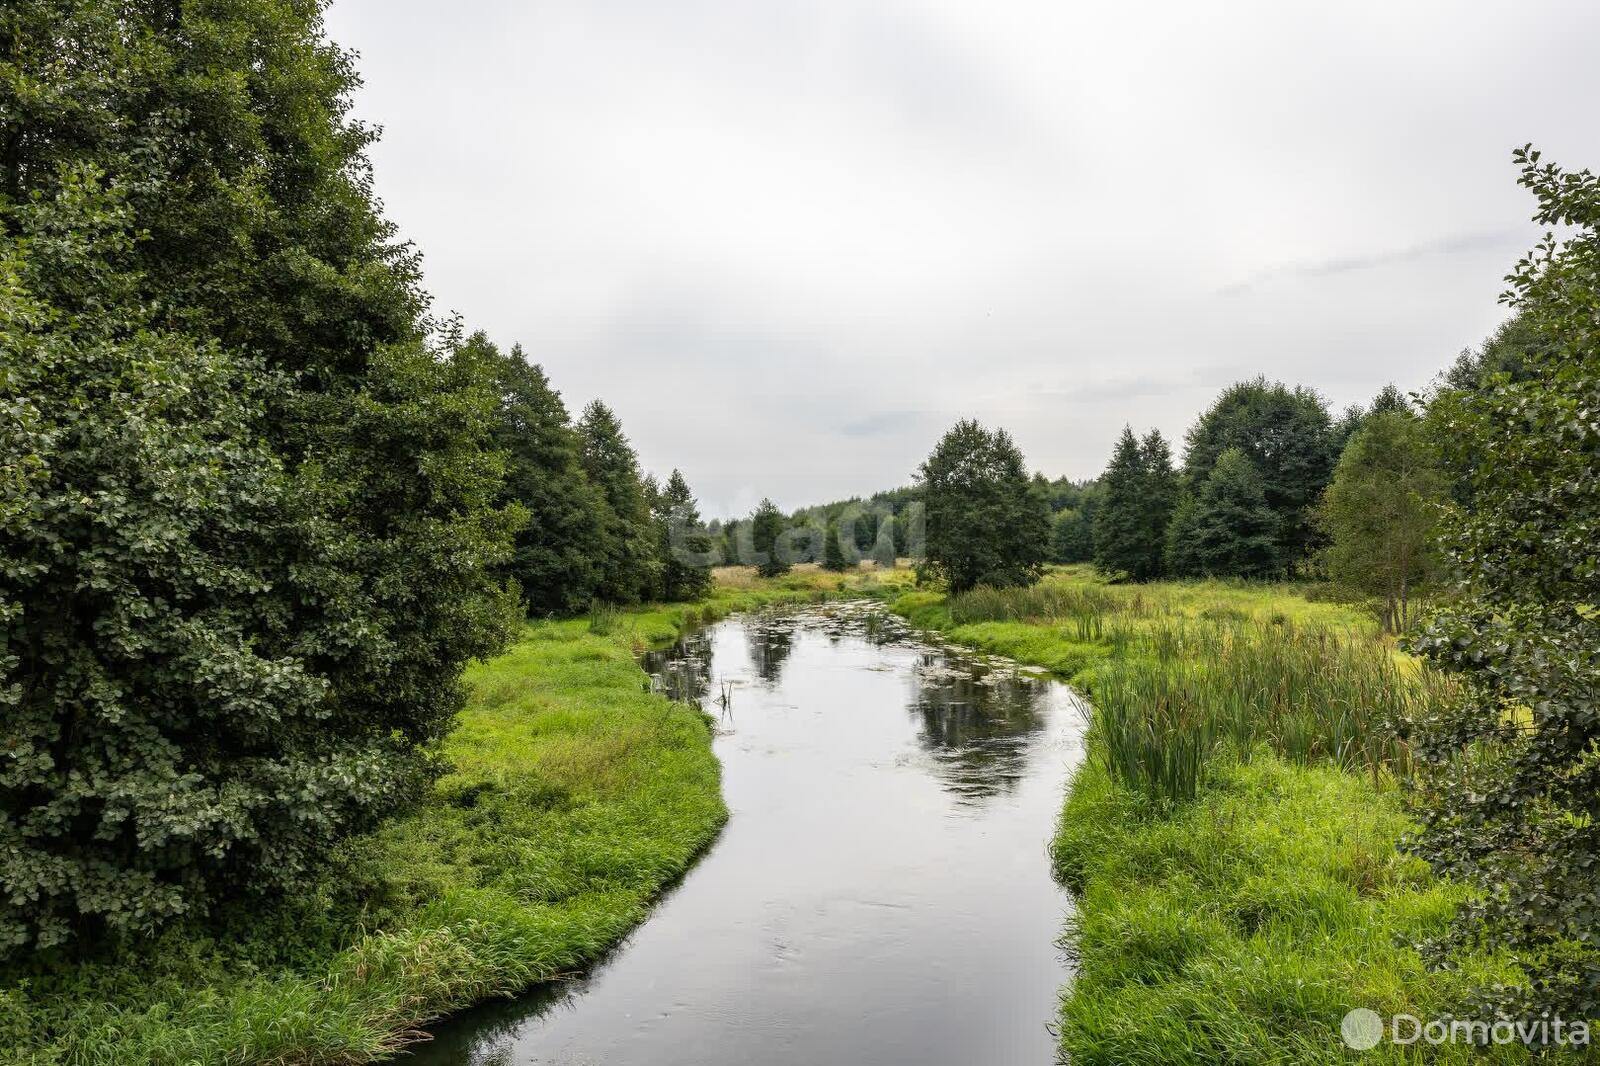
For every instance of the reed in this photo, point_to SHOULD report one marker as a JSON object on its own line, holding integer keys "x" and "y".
{"x": 1202, "y": 688}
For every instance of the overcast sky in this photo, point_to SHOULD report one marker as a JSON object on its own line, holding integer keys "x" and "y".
{"x": 791, "y": 242}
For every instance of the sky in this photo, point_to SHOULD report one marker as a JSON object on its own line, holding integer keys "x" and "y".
{"x": 790, "y": 243}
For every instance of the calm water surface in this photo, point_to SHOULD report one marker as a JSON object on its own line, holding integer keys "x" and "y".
{"x": 882, "y": 891}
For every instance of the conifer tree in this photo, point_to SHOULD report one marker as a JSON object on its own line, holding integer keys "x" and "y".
{"x": 629, "y": 565}
{"x": 1230, "y": 529}
{"x": 686, "y": 547}
{"x": 1130, "y": 523}
{"x": 766, "y": 534}
{"x": 833, "y": 553}
{"x": 554, "y": 561}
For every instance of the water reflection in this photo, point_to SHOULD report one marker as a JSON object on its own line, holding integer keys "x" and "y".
{"x": 683, "y": 671}
{"x": 976, "y": 721}
{"x": 771, "y": 640}
{"x": 843, "y": 915}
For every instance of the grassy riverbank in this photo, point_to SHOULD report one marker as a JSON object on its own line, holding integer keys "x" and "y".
{"x": 575, "y": 796}
{"x": 1236, "y": 897}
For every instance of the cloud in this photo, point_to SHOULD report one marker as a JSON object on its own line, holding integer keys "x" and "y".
{"x": 791, "y": 241}
{"x": 1500, "y": 241}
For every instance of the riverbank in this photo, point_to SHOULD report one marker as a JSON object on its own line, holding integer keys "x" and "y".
{"x": 1240, "y": 925}
{"x": 576, "y": 796}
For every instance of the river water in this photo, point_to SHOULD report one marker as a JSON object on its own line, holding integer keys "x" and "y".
{"x": 882, "y": 892}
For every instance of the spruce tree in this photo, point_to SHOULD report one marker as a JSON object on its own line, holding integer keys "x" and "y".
{"x": 1136, "y": 502}
{"x": 629, "y": 566}
{"x": 554, "y": 561}
{"x": 766, "y": 534}
{"x": 686, "y": 547}
{"x": 1231, "y": 530}
{"x": 833, "y": 553}
{"x": 985, "y": 523}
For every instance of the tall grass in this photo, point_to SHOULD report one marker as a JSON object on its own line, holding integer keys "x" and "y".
{"x": 1036, "y": 603}
{"x": 1310, "y": 695}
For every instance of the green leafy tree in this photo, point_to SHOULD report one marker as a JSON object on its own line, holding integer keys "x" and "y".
{"x": 219, "y": 664}
{"x": 1227, "y": 527}
{"x": 985, "y": 523}
{"x": 1071, "y": 537}
{"x": 1381, "y": 512}
{"x": 686, "y": 547}
{"x": 1290, "y": 440}
{"x": 766, "y": 533}
{"x": 181, "y": 722}
{"x": 553, "y": 561}
{"x": 1508, "y": 781}
{"x": 630, "y": 568}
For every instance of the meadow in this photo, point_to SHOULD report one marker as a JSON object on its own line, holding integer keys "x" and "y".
{"x": 1232, "y": 840}
{"x": 575, "y": 796}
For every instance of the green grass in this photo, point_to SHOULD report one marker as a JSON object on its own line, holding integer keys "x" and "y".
{"x": 1240, "y": 928}
{"x": 1239, "y": 888}
{"x": 576, "y": 796}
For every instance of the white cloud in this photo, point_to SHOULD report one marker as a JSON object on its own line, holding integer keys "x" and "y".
{"x": 789, "y": 241}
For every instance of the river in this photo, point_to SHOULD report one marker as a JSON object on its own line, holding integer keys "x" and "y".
{"x": 881, "y": 893}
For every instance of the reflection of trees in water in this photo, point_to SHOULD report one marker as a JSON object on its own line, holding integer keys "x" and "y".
{"x": 771, "y": 641}
{"x": 682, "y": 671}
{"x": 976, "y": 722}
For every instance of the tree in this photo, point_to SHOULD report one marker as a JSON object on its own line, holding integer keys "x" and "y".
{"x": 1139, "y": 491}
{"x": 553, "y": 561}
{"x": 1161, "y": 490}
{"x": 985, "y": 524}
{"x": 766, "y": 532}
{"x": 732, "y": 532}
{"x": 686, "y": 547}
{"x": 244, "y": 645}
{"x": 630, "y": 569}
{"x": 1508, "y": 782}
{"x": 1380, "y": 513}
{"x": 1227, "y": 527}
{"x": 833, "y": 553}
{"x": 1388, "y": 399}
{"x": 1179, "y": 552}
{"x": 1512, "y": 349}
{"x": 1288, "y": 437}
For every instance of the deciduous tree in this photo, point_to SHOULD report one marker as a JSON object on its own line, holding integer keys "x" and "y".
{"x": 1381, "y": 510}
{"x": 1289, "y": 439}
{"x": 1509, "y": 781}
{"x": 985, "y": 523}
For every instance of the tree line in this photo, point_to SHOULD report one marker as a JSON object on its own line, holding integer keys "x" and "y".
{"x": 259, "y": 507}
